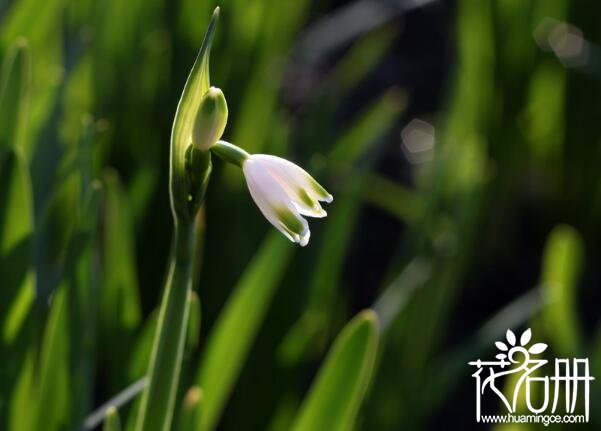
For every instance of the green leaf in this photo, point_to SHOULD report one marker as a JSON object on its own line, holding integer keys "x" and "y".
{"x": 68, "y": 216}
{"x": 237, "y": 326}
{"x": 393, "y": 197}
{"x": 111, "y": 420}
{"x": 38, "y": 23}
{"x": 23, "y": 395}
{"x": 51, "y": 409}
{"x": 193, "y": 334}
{"x": 120, "y": 302}
{"x": 562, "y": 264}
{"x": 82, "y": 305}
{"x": 189, "y": 417}
{"x": 138, "y": 361}
{"x": 31, "y": 19}
{"x": 14, "y": 95}
{"x": 196, "y": 86}
{"x": 16, "y": 208}
{"x": 158, "y": 400}
{"x": 16, "y": 230}
{"x": 336, "y": 395}
{"x": 120, "y": 311}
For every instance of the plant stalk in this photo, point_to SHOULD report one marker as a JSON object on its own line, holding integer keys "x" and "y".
{"x": 156, "y": 408}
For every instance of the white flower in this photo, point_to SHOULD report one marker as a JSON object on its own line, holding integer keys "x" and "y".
{"x": 284, "y": 193}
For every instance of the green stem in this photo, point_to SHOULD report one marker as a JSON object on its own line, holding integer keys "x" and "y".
{"x": 230, "y": 153}
{"x": 156, "y": 409}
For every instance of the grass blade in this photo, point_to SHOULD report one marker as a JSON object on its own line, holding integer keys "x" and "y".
{"x": 16, "y": 230}
{"x": 158, "y": 401}
{"x": 14, "y": 95}
{"x": 194, "y": 321}
{"x": 336, "y": 395}
{"x": 190, "y": 415}
{"x": 23, "y": 395}
{"x": 237, "y": 326}
{"x": 562, "y": 264}
{"x": 120, "y": 311}
{"x": 53, "y": 397}
{"x": 111, "y": 420}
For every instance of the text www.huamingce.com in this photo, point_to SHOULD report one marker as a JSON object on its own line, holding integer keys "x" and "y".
{"x": 533, "y": 419}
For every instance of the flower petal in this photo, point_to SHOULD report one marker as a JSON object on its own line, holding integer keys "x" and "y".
{"x": 304, "y": 203}
{"x": 297, "y": 179}
{"x": 274, "y": 202}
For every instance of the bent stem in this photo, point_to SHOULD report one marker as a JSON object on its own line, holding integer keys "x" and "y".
{"x": 156, "y": 409}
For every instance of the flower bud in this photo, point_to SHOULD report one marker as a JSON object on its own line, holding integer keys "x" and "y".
{"x": 211, "y": 119}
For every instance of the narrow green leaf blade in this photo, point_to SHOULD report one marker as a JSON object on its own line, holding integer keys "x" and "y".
{"x": 52, "y": 405}
{"x": 31, "y": 19}
{"x": 190, "y": 414}
{"x": 138, "y": 361}
{"x": 14, "y": 95}
{"x": 194, "y": 321}
{"x": 120, "y": 302}
{"x": 120, "y": 311}
{"x": 237, "y": 326}
{"x": 22, "y": 396}
{"x": 562, "y": 264}
{"x": 111, "y": 420}
{"x": 16, "y": 230}
{"x": 16, "y": 208}
{"x": 37, "y": 22}
{"x": 336, "y": 395}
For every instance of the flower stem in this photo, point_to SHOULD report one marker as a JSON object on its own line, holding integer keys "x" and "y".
{"x": 156, "y": 409}
{"x": 229, "y": 152}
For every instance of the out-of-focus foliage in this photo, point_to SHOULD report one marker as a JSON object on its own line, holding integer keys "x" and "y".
{"x": 493, "y": 224}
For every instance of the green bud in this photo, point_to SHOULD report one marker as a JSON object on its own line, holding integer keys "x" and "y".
{"x": 211, "y": 119}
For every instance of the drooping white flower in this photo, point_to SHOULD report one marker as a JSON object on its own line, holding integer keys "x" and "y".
{"x": 284, "y": 193}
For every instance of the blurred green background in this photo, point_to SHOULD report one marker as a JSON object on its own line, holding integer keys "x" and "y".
{"x": 461, "y": 141}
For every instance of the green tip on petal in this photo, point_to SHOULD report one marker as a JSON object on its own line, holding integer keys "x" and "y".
{"x": 293, "y": 225}
{"x": 322, "y": 193}
{"x": 306, "y": 198}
